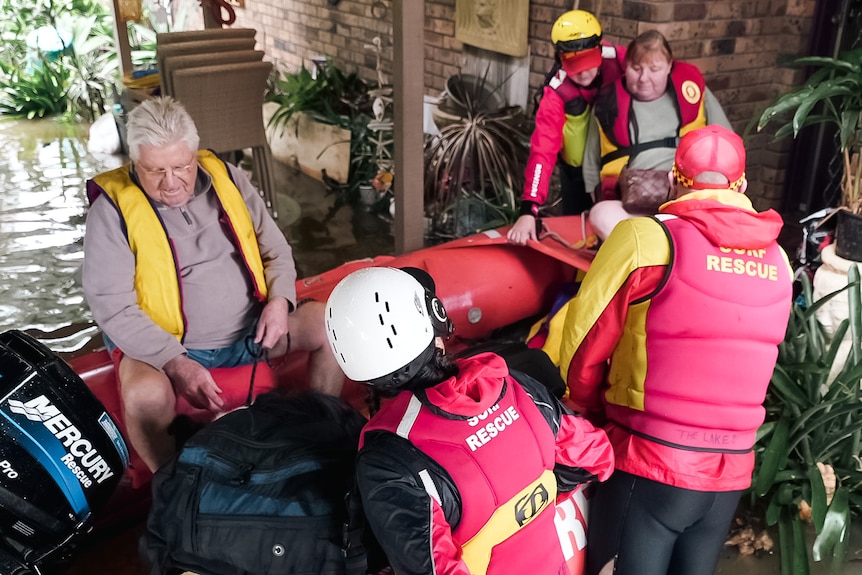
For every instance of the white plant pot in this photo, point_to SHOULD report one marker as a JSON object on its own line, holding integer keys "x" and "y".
{"x": 309, "y": 145}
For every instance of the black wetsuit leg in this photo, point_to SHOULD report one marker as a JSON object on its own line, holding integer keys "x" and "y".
{"x": 575, "y": 198}
{"x": 657, "y": 529}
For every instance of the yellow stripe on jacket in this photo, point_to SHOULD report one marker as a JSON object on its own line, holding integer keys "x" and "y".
{"x": 507, "y": 520}
{"x": 614, "y": 263}
{"x": 157, "y": 282}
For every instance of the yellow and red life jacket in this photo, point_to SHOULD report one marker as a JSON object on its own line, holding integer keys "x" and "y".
{"x": 715, "y": 402}
{"x": 613, "y": 112}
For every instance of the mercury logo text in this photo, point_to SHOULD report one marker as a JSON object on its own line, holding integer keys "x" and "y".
{"x": 81, "y": 457}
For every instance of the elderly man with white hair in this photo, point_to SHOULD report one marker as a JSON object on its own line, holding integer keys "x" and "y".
{"x": 184, "y": 271}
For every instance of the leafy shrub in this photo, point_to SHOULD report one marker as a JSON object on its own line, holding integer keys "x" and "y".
{"x": 75, "y": 82}
{"x": 335, "y": 98}
{"x": 812, "y": 418}
{"x": 34, "y": 94}
{"x": 332, "y": 97}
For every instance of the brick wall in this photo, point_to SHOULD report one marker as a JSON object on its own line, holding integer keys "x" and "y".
{"x": 738, "y": 44}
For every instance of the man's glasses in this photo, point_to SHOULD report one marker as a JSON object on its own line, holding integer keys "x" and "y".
{"x": 177, "y": 172}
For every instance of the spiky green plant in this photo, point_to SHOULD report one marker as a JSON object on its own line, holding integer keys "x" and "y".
{"x": 34, "y": 93}
{"x": 812, "y": 418}
{"x": 477, "y": 161}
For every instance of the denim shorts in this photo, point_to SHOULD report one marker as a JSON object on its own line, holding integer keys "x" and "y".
{"x": 242, "y": 352}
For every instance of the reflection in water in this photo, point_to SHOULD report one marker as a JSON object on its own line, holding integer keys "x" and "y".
{"x": 44, "y": 166}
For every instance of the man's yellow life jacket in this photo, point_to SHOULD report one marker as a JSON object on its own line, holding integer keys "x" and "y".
{"x": 157, "y": 278}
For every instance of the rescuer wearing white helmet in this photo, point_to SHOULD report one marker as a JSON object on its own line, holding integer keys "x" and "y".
{"x": 583, "y": 64}
{"x": 436, "y": 473}
{"x": 671, "y": 343}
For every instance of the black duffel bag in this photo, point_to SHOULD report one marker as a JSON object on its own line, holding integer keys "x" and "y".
{"x": 262, "y": 490}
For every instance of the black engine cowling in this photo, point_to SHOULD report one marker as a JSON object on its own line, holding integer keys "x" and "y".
{"x": 61, "y": 453}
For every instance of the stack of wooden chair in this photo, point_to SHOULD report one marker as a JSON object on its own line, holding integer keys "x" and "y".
{"x": 221, "y": 80}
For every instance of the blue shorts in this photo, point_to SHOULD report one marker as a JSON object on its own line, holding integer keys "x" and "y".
{"x": 242, "y": 352}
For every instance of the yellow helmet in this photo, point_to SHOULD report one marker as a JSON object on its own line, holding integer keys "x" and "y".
{"x": 575, "y": 31}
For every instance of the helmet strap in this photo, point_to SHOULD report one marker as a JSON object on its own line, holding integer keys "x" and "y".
{"x": 401, "y": 376}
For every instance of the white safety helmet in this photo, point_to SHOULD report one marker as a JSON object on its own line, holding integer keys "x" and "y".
{"x": 381, "y": 323}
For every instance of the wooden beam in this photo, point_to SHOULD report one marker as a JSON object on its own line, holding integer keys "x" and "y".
{"x": 409, "y": 89}
{"x": 121, "y": 36}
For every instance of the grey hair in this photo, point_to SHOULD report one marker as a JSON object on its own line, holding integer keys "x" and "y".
{"x": 680, "y": 190}
{"x": 160, "y": 122}
{"x": 712, "y": 178}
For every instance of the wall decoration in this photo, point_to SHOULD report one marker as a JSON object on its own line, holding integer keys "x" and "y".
{"x": 496, "y": 25}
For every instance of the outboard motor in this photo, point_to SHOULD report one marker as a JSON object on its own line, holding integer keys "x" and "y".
{"x": 61, "y": 455}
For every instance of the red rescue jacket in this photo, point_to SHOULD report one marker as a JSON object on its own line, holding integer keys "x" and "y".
{"x": 561, "y": 123}
{"x": 461, "y": 477}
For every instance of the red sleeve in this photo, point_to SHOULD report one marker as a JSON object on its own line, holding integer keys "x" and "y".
{"x": 445, "y": 553}
{"x": 579, "y": 444}
{"x": 545, "y": 144}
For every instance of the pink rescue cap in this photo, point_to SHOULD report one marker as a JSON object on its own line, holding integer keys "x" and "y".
{"x": 712, "y": 148}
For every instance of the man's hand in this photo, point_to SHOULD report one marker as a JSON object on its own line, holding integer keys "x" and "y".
{"x": 193, "y": 381}
{"x": 523, "y": 230}
{"x": 272, "y": 325}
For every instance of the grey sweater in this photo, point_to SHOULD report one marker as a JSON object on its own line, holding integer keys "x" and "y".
{"x": 217, "y": 293}
{"x": 657, "y": 119}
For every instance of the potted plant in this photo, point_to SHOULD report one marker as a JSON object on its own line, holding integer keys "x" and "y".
{"x": 329, "y": 95}
{"x": 339, "y": 101}
{"x": 474, "y": 168}
{"x": 832, "y": 95}
{"x": 807, "y": 475}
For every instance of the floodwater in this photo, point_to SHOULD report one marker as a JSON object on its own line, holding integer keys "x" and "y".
{"x": 45, "y": 164}
{"x": 42, "y": 209}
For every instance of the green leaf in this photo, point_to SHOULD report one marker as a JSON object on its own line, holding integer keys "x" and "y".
{"x": 854, "y": 306}
{"x": 788, "y": 387}
{"x": 785, "y": 542}
{"x": 774, "y": 458}
{"x": 799, "y": 552}
{"x": 818, "y": 498}
{"x": 835, "y": 346}
{"x": 791, "y": 544}
{"x": 833, "y": 536}
{"x": 831, "y": 63}
{"x": 773, "y": 510}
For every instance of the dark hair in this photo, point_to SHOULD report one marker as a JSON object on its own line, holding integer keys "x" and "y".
{"x": 436, "y": 369}
{"x": 649, "y": 41}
